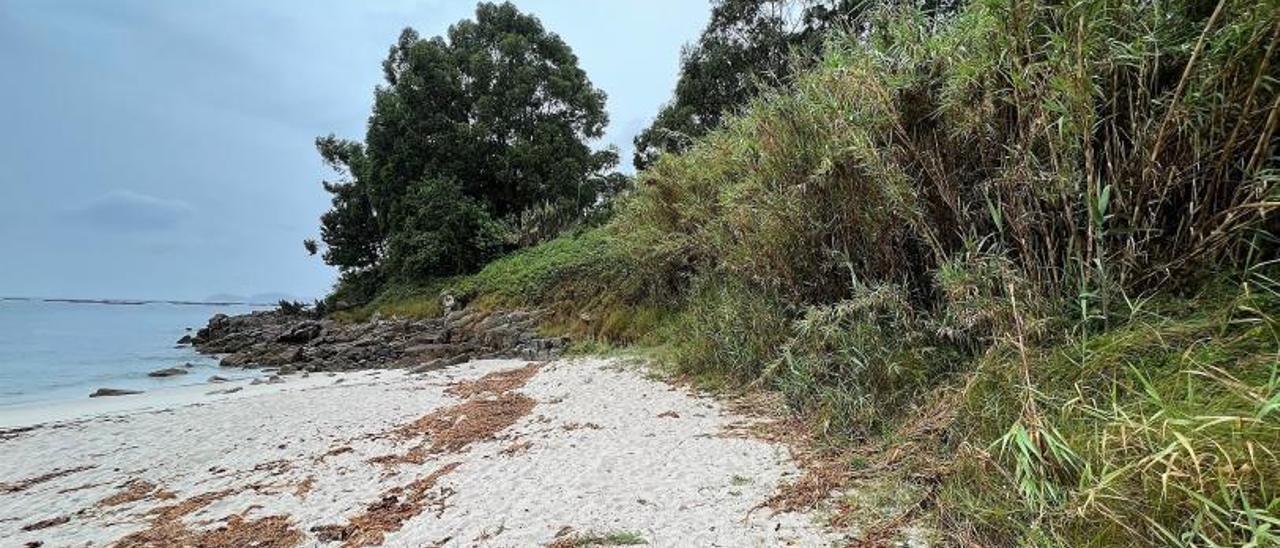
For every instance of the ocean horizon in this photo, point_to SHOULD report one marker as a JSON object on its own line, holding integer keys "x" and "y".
{"x": 64, "y": 349}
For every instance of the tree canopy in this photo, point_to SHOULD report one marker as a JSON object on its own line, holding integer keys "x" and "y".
{"x": 475, "y": 139}
{"x": 747, "y": 45}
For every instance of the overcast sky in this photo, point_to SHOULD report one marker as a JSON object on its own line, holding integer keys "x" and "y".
{"x": 163, "y": 149}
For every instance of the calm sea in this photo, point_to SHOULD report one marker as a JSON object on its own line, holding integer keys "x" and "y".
{"x": 51, "y": 351}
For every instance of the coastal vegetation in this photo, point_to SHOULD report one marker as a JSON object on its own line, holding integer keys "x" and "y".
{"x": 477, "y": 143}
{"x": 1029, "y": 243}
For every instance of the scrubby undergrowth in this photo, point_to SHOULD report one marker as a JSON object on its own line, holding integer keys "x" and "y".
{"x": 1047, "y": 226}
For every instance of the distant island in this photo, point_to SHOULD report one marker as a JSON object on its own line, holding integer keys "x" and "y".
{"x": 135, "y": 302}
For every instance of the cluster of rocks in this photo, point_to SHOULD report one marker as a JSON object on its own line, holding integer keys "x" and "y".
{"x": 294, "y": 342}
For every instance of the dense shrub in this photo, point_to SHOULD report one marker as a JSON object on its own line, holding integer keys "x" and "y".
{"x": 442, "y": 232}
{"x": 1097, "y": 145}
{"x": 729, "y": 330}
{"x": 854, "y": 365}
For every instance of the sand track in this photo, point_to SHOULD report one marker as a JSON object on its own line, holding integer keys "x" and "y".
{"x": 488, "y": 453}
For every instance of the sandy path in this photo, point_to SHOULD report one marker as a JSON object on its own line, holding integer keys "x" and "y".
{"x": 558, "y": 452}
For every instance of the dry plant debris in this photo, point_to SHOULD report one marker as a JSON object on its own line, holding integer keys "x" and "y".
{"x": 23, "y": 485}
{"x": 335, "y": 452}
{"x": 46, "y": 523}
{"x": 388, "y": 514}
{"x": 493, "y": 407}
{"x": 517, "y": 448}
{"x": 304, "y": 487}
{"x": 497, "y": 382}
{"x": 135, "y": 490}
{"x": 168, "y": 529}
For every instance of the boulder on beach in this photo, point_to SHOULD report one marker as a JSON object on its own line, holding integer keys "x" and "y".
{"x": 103, "y": 392}
{"x": 167, "y": 372}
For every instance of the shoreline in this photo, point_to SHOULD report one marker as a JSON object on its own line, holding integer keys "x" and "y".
{"x": 40, "y": 413}
{"x": 486, "y": 452}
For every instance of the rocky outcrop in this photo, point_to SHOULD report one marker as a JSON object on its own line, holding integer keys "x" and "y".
{"x": 302, "y": 343}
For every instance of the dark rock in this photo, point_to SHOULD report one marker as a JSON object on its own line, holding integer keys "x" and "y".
{"x": 186, "y": 339}
{"x": 301, "y": 333}
{"x": 105, "y": 392}
{"x": 168, "y": 372}
{"x": 292, "y": 343}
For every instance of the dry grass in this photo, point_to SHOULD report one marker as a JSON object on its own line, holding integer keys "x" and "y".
{"x": 568, "y": 538}
{"x": 821, "y": 478}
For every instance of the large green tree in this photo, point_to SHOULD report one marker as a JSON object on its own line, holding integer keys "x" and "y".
{"x": 482, "y": 126}
{"x": 747, "y": 45}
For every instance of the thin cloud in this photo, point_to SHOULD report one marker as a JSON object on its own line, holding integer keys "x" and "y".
{"x": 129, "y": 211}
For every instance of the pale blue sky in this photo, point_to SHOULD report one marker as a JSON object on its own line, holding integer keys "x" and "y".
{"x": 163, "y": 148}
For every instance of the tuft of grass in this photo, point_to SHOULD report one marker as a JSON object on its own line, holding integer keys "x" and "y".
{"x": 614, "y": 538}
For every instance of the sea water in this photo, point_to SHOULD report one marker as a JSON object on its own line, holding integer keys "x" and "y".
{"x": 53, "y": 351}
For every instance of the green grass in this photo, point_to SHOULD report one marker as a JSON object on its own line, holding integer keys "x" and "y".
{"x": 1160, "y": 432}
{"x": 615, "y": 538}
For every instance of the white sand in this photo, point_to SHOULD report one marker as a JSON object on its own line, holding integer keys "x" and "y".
{"x": 674, "y": 481}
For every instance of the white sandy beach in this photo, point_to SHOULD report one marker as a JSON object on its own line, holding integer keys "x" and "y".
{"x": 527, "y": 457}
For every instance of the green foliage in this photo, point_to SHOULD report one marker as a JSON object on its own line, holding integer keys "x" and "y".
{"x": 854, "y": 366}
{"x": 1078, "y": 164}
{"x": 353, "y": 240}
{"x": 291, "y": 308}
{"x": 747, "y": 47}
{"x": 613, "y": 538}
{"x": 728, "y": 330}
{"x": 966, "y": 206}
{"x": 441, "y": 232}
{"x": 1161, "y": 432}
{"x": 493, "y": 120}
{"x": 530, "y": 275}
